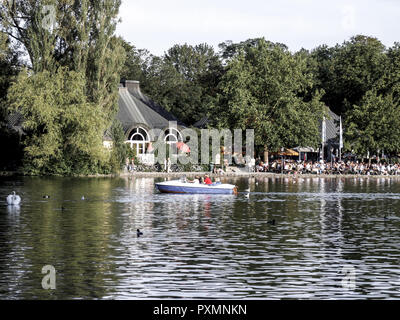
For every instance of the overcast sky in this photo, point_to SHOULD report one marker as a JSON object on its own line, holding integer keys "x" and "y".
{"x": 157, "y": 25}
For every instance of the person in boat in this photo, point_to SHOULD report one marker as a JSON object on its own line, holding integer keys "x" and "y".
{"x": 207, "y": 180}
{"x": 196, "y": 180}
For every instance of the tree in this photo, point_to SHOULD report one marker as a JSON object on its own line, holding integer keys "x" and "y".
{"x": 136, "y": 64}
{"x": 82, "y": 41}
{"x": 371, "y": 89}
{"x": 230, "y": 50}
{"x": 392, "y": 77}
{"x": 346, "y": 72}
{"x": 120, "y": 150}
{"x": 321, "y": 64}
{"x": 374, "y": 124}
{"x": 9, "y": 139}
{"x": 81, "y": 38}
{"x": 184, "y": 80}
{"x": 9, "y": 68}
{"x": 62, "y": 126}
{"x": 265, "y": 88}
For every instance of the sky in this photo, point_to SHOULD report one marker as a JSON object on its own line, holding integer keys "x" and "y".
{"x": 157, "y": 25}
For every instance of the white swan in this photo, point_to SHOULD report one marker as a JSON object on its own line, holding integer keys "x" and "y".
{"x": 13, "y": 199}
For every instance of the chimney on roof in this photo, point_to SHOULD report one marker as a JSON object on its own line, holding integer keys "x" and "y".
{"x": 133, "y": 86}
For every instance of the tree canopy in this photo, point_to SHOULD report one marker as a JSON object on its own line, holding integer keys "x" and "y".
{"x": 77, "y": 42}
{"x": 63, "y": 129}
{"x": 346, "y": 72}
{"x": 267, "y": 88}
{"x": 61, "y": 63}
{"x": 184, "y": 80}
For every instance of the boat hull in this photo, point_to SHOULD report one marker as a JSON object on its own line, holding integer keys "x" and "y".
{"x": 188, "y": 188}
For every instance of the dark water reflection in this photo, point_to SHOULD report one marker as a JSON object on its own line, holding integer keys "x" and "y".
{"x": 201, "y": 246}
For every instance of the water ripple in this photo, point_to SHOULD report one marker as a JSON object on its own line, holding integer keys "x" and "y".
{"x": 201, "y": 246}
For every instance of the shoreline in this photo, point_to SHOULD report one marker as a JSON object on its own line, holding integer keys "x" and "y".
{"x": 212, "y": 175}
{"x": 247, "y": 175}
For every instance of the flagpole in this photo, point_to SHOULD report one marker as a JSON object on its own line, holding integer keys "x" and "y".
{"x": 323, "y": 137}
{"x": 341, "y": 139}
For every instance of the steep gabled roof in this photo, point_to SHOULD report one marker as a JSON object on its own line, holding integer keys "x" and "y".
{"x": 128, "y": 112}
{"x": 332, "y": 127}
{"x": 137, "y": 108}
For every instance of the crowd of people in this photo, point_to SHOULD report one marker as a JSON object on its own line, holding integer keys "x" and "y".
{"x": 326, "y": 167}
{"x": 305, "y": 167}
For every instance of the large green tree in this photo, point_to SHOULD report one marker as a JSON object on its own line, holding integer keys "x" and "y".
{"x": 10, "y": 65}
{"x": 392, "y": 77}
{"x": 136, "y": 64}
{"x": 9, "y": 139}
{"x": 9, "y": 68}
{"x": 267, "y": 89}
{"x": 374, "y": 124}
{"x": 346, "y": 72}
{"x": 62, "y": 127}
{"x": 70, "y": 33}
{"x": 79, "y": 36}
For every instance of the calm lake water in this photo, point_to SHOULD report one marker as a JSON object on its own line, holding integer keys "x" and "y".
{"x": 201, "y": 246}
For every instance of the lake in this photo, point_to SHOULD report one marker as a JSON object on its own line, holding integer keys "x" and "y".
{"x": 330, "y": 240}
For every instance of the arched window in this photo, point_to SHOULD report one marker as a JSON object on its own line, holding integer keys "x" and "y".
{"x": 139, "y": 134}
{"x": 138, "y": 139}
{"x": 172, "y": 136}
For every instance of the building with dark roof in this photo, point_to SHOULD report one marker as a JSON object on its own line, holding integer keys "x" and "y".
{"x": 139, "y": 115}
{"x": 332, "y": 129}
{"x": 331, "y": 140}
